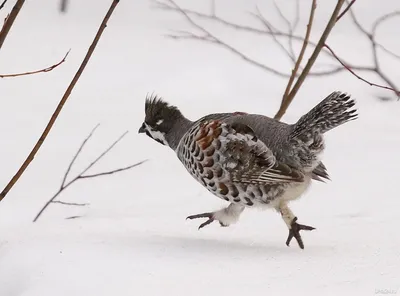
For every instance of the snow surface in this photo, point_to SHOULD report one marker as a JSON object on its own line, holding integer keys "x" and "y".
{"x": 133, "y": 238}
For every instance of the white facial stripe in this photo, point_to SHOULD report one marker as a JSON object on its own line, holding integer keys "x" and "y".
{"x": 156, "y": 135}
{"x": 160, "y": 121}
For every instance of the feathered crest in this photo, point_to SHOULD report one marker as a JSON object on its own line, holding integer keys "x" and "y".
{"x": 156, "y": 108}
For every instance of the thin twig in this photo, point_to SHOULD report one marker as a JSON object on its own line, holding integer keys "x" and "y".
{"x": 272, "y": 30}
{"x": 72, "y": 217}
{"x": 111, "y": 172}
{"x": 61, "y": 103}
{"x": 209, "y": 37}
{"x": 358, "y": 76}
{"x": 290, "y": 26}
{"x": 345, "y": 10}
{"x": 2, "y": 4}
{"x": 48, "y": 69}
{"x": 389, "y": 52}
{"x": 76, "y": 155}
{"x": 10, "y": 21}
{"x": 285, "y": 104}
{"x": 104, "y": 153}
{"x": 371, "y": 36}
{"x": 382, "y": 19}
{"x": 293, "y": 27}
{"x": 276, "y": 34}
{"x": 70, "y": 203}
{"x": 302, "y": 51}
{"x": 282, "y": 15}
{"x": 82, "y": 175}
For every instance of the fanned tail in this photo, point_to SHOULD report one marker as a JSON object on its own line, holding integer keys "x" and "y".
{"x": 333, "y": 111}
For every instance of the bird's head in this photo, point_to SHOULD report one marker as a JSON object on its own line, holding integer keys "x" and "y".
{"x": 160, "y": 118}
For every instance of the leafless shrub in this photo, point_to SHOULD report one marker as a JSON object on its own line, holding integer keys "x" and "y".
{"x": 84, "y": 174}
{"x": 60, "y": 105}
{"x": 284, "y": 39}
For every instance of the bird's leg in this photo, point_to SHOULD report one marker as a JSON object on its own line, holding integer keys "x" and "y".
{"x": 225, "y": 216}
{"x": 291, "y": 222}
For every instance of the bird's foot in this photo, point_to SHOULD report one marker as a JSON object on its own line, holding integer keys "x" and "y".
{"x": 225, "y": 216}
{"x": 211, "y": 218}
{"x": 294, "y": 231}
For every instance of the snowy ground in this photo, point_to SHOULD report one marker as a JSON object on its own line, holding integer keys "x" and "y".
{"x": 133, "y": 238}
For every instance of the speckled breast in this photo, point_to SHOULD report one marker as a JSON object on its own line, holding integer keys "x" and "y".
{"x": 202, "y": 153}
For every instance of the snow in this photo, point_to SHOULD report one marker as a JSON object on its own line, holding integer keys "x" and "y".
{"x": 133, "y": 238}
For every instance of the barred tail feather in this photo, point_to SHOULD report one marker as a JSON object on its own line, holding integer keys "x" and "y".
{"x": 333, "y": 111}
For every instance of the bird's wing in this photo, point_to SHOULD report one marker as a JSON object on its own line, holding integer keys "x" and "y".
{"x": 246, "y": 158}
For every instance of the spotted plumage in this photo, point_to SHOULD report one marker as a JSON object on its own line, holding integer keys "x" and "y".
{"x": 235, "y": 165}
{"x": 250, "y": 160}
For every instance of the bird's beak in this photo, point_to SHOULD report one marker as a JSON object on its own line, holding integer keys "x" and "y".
{"x": 142, "y": 129}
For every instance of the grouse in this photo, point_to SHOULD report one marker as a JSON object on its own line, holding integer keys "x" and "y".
{"x": 250, "y": 160}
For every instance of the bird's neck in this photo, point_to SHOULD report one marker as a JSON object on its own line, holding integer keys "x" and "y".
{"x": 178, "y": 130}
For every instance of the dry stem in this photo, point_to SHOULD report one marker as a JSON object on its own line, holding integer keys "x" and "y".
{"x": 2, "y": 4}
{"x": 277, "y": 34}
{"x": 10, "y": 20}
{"x": 48, "y": 69}
{"x": 358, "y": 76}
{"x": 270, "y": 31}
{"x": 61, "y": 103}
{"x": 345, "y": 10}
{"x": 83, "y": 174}
{"x": 285, "y": 103}
{"x": 302, "y": 51}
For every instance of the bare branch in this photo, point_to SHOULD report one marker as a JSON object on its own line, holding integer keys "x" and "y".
{"x": 10, "y": 21}
{"x": 285, "y": 103}
{"x": 210, "y": 38}
{"x": 204, "y": 35}
{"x": 2, "y": 4}
{"x": 302, "y": 51}
{"x": 70, "y": 203}
{"x": 48, "y": 69}
{"x": 371, "y": 36}
{"x": 289, "y": 52}
{"x": 72, "y": 217}
{"x": 111, "y": 172}
{"x": 389, "y": 52}
{"x": 297, "y": 16}
{"x": 61, "y": 103}
{"x": 173, "y": 7}
{"x": 282, "y": 16}
{"x": 76, "y": 156}
{"x": 358, "y": 76}
{"x": 293, "y": 27}
{"x": 345, "y": 10}
{"x": 82, "y": 175}
{"x": 103, "y": 153}
{"x": 382, "y": 19}
{"x": 270, "y": 31}
{"x": 357, "y": 23}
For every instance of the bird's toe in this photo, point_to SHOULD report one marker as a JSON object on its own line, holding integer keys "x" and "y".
{"x": 294, "y": 231}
